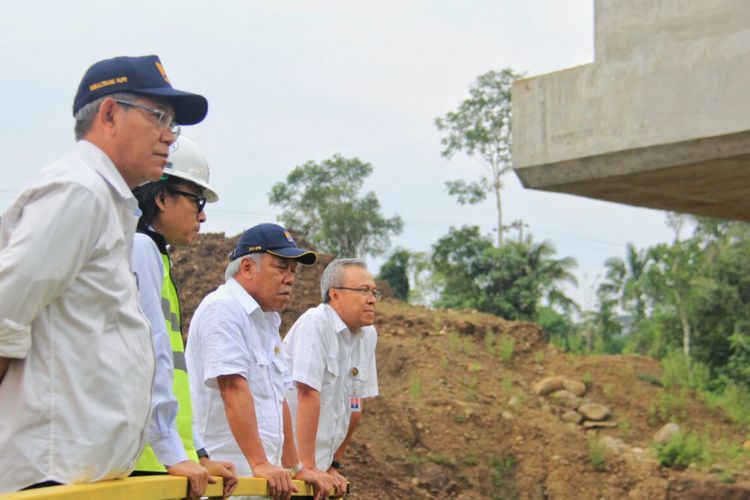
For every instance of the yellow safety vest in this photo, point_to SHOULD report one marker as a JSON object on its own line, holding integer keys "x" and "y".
{"x": 170, "y": 304}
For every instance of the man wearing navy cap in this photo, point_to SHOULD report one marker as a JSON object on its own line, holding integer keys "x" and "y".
{"x": 76, "y": 359}
{"x": 237, "y": 372}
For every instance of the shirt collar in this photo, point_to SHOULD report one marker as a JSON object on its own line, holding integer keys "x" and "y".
{"x": 249, "y": 305}
{"x": 100, "y": 162}
{"x": 338, "y": 323}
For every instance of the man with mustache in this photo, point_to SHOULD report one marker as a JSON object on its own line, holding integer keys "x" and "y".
{"x": 331, "y": 352}
{"x": 76, "y": 359}
{"x": 237, "y": 372}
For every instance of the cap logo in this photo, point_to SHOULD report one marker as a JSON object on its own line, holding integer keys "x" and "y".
{"x": 163, "y": 73}
{"x": 288, "y": 237}
{"x": 107, "y": 83}
{"x": 254, "y": 249}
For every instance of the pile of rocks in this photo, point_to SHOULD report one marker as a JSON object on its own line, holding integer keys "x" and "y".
{"x": 569, "y": 394}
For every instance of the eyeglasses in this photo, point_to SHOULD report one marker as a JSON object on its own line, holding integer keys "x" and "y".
{"x": 200, "y": 201}
{"x": 362, "y": 291}
{"x": 163, "y": 119}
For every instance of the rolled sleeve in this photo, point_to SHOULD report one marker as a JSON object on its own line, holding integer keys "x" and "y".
{"x": 32, "y": 273}
{"x": 223, "y": 346}
{"x": 15, "y": 339}
{"x": 309, "y": 352}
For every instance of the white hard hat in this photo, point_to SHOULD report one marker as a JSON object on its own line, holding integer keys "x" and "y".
{"x": 187, "y": 162}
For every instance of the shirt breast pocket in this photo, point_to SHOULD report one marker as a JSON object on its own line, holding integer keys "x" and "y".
{"x": 259, "y": 381}
{"x": 282, "y": 379}
{"x": 357, "y": 378}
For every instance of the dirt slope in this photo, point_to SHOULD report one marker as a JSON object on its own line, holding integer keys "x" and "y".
{"x": 458, "y": 418}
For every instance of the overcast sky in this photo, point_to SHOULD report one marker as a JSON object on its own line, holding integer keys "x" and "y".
{"x": 292, "y": 81}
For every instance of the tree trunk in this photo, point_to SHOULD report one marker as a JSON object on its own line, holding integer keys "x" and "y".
{"x": 499, "y": 213}
{"x": 686, "y": 332}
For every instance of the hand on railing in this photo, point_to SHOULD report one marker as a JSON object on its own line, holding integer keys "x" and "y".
{"x": 198, "y": 477}
{"x": 339, "y": 481}
{"x": 280, "y": 485}
{"x": 321, "y": 482}
{"x": 226, "y": 470}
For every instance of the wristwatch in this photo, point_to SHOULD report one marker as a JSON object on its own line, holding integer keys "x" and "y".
{"x": 336, "y": 465}
{"x": 202, "y": 453}
{"x": 295, "y": 469}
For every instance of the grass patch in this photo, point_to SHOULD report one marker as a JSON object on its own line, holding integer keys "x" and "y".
{"x": 649, "y": 379}
{"x": 597, "y": 455}
{"x": 506, "y": 347}
{"x": 587, "y": 380}
{"x": 470, "y": 459}
{"x": 460, "y": 419}
{"x": 440, "y": 459}
{"x": 679, "y": 451}
{"x": 608, "y": 390}
{"x": 506, "y": 385}
{"x": 489, "y": 342}
{"x": 539, "y": 357}
{"x": 503, "y": 472}
{"x": 415, "y": 388}
{"x": 454, "y": 342}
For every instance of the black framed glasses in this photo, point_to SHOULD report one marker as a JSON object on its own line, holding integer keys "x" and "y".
{"x": 200, "y": 201}
{"x": 163, "y": 119}
{"x": 363, "y": 290}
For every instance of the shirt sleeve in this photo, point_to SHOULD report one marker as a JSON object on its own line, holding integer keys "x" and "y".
{"x": 56, "y": 228}
{"x": 162, "y": 431}
{"x": 370, "y": 389}
{"x": 308, "y": 351}
{"x": 222, "y": 344}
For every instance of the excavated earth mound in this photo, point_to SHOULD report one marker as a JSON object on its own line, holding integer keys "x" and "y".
{"x": 458, "y": 415}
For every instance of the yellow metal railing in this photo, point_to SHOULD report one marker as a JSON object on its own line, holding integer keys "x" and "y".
{"x": 145, "y": 488}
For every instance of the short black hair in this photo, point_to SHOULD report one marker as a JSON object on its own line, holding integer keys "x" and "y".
{"x": 146, "y": 195}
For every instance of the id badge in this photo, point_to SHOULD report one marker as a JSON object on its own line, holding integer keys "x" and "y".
{"x": 355, "y": 404}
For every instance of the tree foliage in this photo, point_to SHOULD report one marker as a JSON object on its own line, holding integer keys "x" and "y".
{"x": 395, "y": 271}
{"x": 481, "y": 126}
{"x": 690, "y": 295}
{"x": 322, "y": 201}
{"x": 511, "y": 281}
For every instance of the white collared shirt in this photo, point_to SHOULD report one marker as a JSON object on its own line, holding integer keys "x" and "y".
{"x": 322, "y": 353}
{"x": 231, "y": 335}
{"x": 75, "y": 401}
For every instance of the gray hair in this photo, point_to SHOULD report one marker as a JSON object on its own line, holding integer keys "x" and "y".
{"x": 85, "y": 116}
{"x": 234, "y": 267}
{"x": 333, "y": 276}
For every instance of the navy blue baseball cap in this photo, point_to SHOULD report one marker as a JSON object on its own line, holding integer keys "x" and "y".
{"x": 273, "y": 239}
{"x": 143, "y": 75}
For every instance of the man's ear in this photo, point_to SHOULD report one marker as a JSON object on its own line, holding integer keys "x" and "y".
{"x": 247, "y": 266}
{"x": 159, "y": 200}
{"x": 107, "y": 115}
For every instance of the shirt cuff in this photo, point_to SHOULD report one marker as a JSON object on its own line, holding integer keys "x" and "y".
{"x": 170, "y": 450}
{"x": 15, "y": 339}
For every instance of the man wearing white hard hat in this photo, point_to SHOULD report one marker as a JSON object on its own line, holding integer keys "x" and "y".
{"x": 172, "y": 213}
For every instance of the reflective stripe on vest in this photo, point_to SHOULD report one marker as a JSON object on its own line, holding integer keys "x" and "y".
{"x": 171, "y": 308}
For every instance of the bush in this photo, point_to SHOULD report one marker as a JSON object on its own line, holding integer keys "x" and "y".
{"x": 679, "y": 451}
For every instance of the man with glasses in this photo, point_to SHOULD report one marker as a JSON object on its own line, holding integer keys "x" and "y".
{"x": 76, "y": 359}
{"x": 331, "y": 352}
{"x": 237, "y": 372}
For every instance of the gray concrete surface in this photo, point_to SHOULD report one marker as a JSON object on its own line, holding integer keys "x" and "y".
{"x": 660, "y": 119}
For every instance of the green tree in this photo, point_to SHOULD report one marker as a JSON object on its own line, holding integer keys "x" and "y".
{"x": 322, "y": 201}
{"x": 625, "y": 279}
{"x": 511, "y": 281}
{"x": 481, "y": 126}
{"x": 396, "y": 272}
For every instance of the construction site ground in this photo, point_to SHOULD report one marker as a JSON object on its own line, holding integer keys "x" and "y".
{"x": 457, "y": 415}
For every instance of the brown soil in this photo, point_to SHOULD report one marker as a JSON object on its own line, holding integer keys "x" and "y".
{"x": 455, "y": 420}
